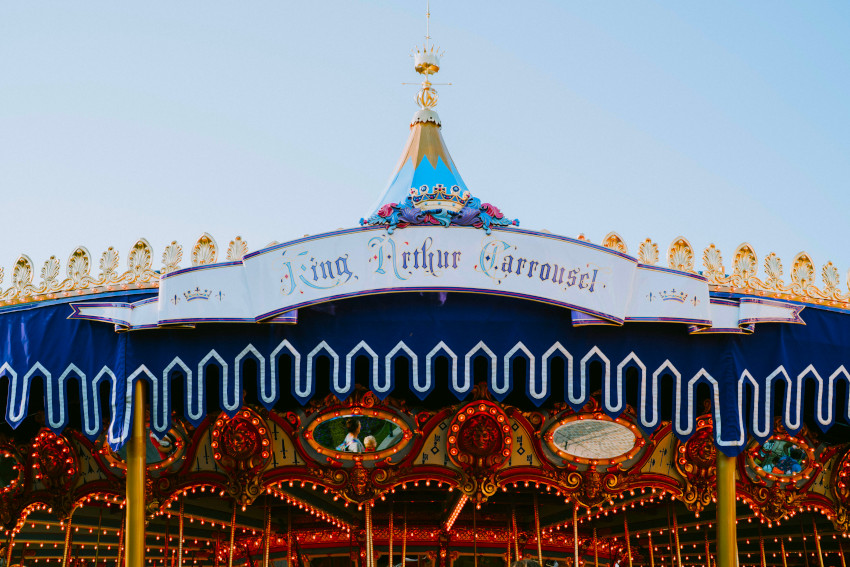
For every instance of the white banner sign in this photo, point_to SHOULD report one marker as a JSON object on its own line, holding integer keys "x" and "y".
{"x": 601, "y": 283}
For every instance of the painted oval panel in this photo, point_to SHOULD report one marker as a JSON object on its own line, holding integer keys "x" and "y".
{"x": 358, "y": 434}
{"x": 593, "y": 439}
{"x": 780, "y": 458}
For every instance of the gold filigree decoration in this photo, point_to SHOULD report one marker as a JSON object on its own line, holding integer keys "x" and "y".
{"x": 139, "y": 263}
{"x": 49, "y": 276}
{"x": 614, "y": 242}
{"x": 680, "y": 256}
{"x": 108, "y": 266}
{"x": 773, "y": 270}
{"x": 745, "y": 267}
{"x": 712, "y": 259}
{"x": 831, "y": 281}
{"x": 205, "y": 251}
{"x": 22, "y": 277}
{"x": 802, "y": 274}
{"x": 79, "y": 280}
{"x": 171, "y": 257}
{"x": 78, "y": 270}
{"x": 648, "y": 252}
{"x": 237, "y": 249}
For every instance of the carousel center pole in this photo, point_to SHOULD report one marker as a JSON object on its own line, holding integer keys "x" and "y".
{"x": 135, "y": 532}
{"x": 727, "y": 543}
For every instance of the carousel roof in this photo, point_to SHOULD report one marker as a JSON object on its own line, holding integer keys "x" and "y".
{"x": 292, "y": 294}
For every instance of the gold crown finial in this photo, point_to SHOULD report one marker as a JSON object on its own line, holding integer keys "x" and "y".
{"x": 427, "y": 62}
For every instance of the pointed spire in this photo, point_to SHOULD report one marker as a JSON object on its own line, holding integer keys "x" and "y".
{"x": 425, "y": 161}
{"x": 425, "y": 187}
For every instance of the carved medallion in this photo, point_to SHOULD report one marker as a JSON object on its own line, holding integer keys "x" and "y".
{"x": 479, "y": 442}
{"x": 242, "y": 446}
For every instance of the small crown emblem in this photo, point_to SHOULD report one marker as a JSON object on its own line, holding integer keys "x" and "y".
{"x": 439, "y": 197}
{"x": 197, "y": 293}
{"x": 673, "y": 295}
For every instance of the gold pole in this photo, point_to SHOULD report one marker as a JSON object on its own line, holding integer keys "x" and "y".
{"x": 404, "y": 539}
{"x": 516, "y": 532}
{"x": 67, "y": 555}
{"x": 672, "y": 508}
{"x": 121, "y": 539}
{"x": 537, "y": 530}
{"x": 390, "y": 564}
{"x": 575, "y": 534}
{"x": 232, "y": 535}
{"x": 135, "y": 533}
{"x": 596, "y": 549}
{"x": 626, "y": 534}
{"x": 817, "y": 542}
{"x": 651, "y": 551}
{"x": 761, "y": 548}
{"x": 370, "y": 561}
{"x": 267, "y": 535}
{"x": 782, "y": 549}
{"x": 841, "y": 552}
{"x": 727, "y": 544}
{"x": 474, "y": 539}
{"x": 510, "y": 535}
{"x": 9, "y": 548}
{"x": 707, "y": 549}
{"x": 99, "y": 529}
{"x": 289, "y": 536}
{"x": 180, "y": 533}
{"x": 165, "y": 543}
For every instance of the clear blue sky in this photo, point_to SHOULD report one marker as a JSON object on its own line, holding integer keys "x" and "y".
{"x": 723, "y": 122}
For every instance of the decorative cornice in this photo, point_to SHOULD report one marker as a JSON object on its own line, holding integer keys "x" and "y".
{"x": 79, "y": 280}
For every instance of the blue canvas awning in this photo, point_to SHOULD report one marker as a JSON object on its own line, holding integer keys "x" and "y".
{"x": 742, "y": 372}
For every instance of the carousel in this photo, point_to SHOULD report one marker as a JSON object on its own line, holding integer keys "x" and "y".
{"x": 436, "y": 387}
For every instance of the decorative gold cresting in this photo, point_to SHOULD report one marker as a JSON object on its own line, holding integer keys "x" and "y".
{"x": 80, "y": 280}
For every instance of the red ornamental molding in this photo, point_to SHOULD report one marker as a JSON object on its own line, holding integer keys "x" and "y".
{"x": 479, "y": 442}
{"x": 242, "y": 446}
{"x": 696, "y": 461}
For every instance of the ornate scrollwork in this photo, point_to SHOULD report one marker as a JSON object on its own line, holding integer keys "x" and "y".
{"x": 831, "y": 281}
{"x": 57, "y": 466}
{"x": 696, "y": 462}
{"x": 237, "y": 249}
{"x": 590, "y": 487}
{"x": 841, "y": 490}
{"x": 78, "y": 270}
{"x": 242, "y": 446}
{"x": 803, "y": 275}
{"x": 773, "y": 270}
{"x": 205, "y": 251}
{"x": 744, "y": 267}
{"x": 171, "y": 257}
{"x": 614, "y": 242}
{"x": 356, "y": 484}
{"x": 139, "y": 263}
{"x": 648, "y": 252}
{"x": 49, "y": 276}
{"x": 680, "y": 256}
{"x": 777, "y": 501}
{"x": 479, "y": 442}
{"x": 108, "y": 267}
{"x": 712, "y": 259}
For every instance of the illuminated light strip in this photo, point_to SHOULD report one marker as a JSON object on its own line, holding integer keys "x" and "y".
{"x": 456, "y": 512}
{"x": 295, "y": 501}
